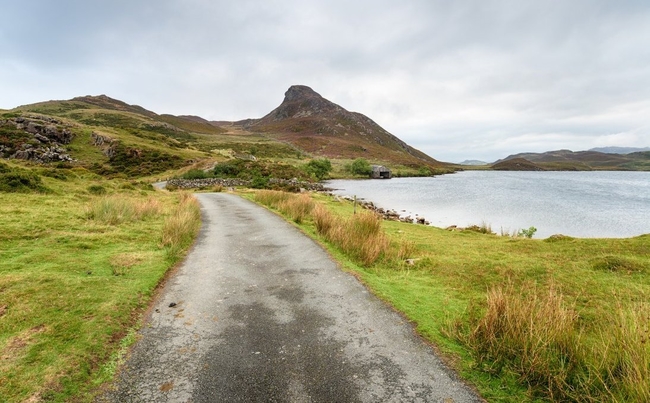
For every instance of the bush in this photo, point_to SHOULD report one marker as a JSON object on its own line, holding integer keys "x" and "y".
{"x": 360, "y": 167}
{"x": 96, "y": 190}
{"x": 319, "y": 168}
{"x": 259, "y": 182}
{"x": 527, "y": 233}
{"x": 21, "y": 181}
{"x": 228, "y": 169}
{"x": 195, "y": 174}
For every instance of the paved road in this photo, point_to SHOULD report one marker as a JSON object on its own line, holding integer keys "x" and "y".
{"x": 262, "y": 314}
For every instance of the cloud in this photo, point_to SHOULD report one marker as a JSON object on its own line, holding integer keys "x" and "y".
{"x": 462, "y": 79}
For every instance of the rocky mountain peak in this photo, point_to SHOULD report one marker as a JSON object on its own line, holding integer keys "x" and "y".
{"x": 301, "y": 101}
{"x": 300, "y": 92}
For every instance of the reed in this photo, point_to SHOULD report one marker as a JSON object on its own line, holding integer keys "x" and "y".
{"x": 181, "y": 226}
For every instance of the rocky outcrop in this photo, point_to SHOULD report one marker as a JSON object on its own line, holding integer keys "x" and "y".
{"x": 105, "y": 143}
{"x": 35, "y": 138}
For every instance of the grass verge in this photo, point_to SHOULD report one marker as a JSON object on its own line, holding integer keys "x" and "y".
{"x": 76, "y": 270}
{"x": 524, "y": 320}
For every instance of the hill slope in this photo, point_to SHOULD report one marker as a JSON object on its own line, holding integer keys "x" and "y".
{"x": 112, "y": 137}
{"x": 321, "y": 127}
{"x": 585, "y": 160}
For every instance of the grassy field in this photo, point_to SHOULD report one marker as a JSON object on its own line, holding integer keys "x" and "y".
{"x": 78, "y": 263}
{"x": 560, "y": 319}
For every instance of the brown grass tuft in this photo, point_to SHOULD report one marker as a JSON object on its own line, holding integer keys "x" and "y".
{"x": 538, "y": 335}
{"x": 179, "y": 229}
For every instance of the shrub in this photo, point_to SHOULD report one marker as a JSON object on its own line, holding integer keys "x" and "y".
{"x": 21, "y": 181}
{"x": 229, "y": 169}
{"x": 96, "y": 190}
{"x": 527, "y": 233}
{"x": 319, "y": 168}
{"x": 259, "y": 182}
{"x": 360, "y": 167}
{"x": 195, "y": 174}
{"x": 56, "y": 174}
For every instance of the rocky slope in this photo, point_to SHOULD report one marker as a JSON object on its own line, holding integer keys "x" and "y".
{"x": 312, "y": 123}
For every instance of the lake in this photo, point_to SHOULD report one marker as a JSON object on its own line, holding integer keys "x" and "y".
{"x": 579, "y": 204}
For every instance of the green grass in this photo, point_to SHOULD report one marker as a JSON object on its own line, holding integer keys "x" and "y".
{"x": 75, "y": 271}
{"x": 525, "y": 320}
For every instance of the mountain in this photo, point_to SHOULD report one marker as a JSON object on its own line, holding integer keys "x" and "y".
{"x": 113, "y": 138}
{"x": 619, "y": 150}
{"x": 566, "y": 160}
{"x": 320, "y": 127}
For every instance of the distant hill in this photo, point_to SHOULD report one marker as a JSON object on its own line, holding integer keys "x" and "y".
{"x": 473, "y": 162}
{"x": 619, "y": 150}
{"x": 320, "y": 127}
{"x": 566, "y": 160}
{"x": 516, "y": 164}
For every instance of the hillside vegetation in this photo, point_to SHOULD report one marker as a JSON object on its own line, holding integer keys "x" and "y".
{"x": 565, "y": 160}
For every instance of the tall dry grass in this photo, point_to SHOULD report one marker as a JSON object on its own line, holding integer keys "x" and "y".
{"x": 359, "y": 236}
{"x": 297, "y": 207}
{"x": 538, "y": 336}
{"x": 271, "y": 198}
{"x": 181, "y": 226}
{"x": 117, "y": 209}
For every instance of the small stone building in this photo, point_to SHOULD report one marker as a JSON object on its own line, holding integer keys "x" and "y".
{"x": 380, "y": 172}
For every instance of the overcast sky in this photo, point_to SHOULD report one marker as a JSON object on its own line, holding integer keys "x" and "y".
{"x": 456, "y": 79}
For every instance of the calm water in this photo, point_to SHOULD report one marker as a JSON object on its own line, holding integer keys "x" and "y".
{"x": 579, "y": 204}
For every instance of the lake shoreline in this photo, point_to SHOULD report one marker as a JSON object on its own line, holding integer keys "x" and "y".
{"x": 576, "y": 204}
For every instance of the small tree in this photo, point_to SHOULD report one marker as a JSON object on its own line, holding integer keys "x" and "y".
{"x": 320, "y": 168}
{"x": 360, "y": 167}
{"x": 528, "y": 233}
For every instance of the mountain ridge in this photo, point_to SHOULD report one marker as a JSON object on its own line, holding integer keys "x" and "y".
{"x": 321, "y": 127}
{"x": 584, "y": 160}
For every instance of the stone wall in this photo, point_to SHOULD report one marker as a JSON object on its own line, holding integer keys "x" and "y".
{"x": 232, "y": 182}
